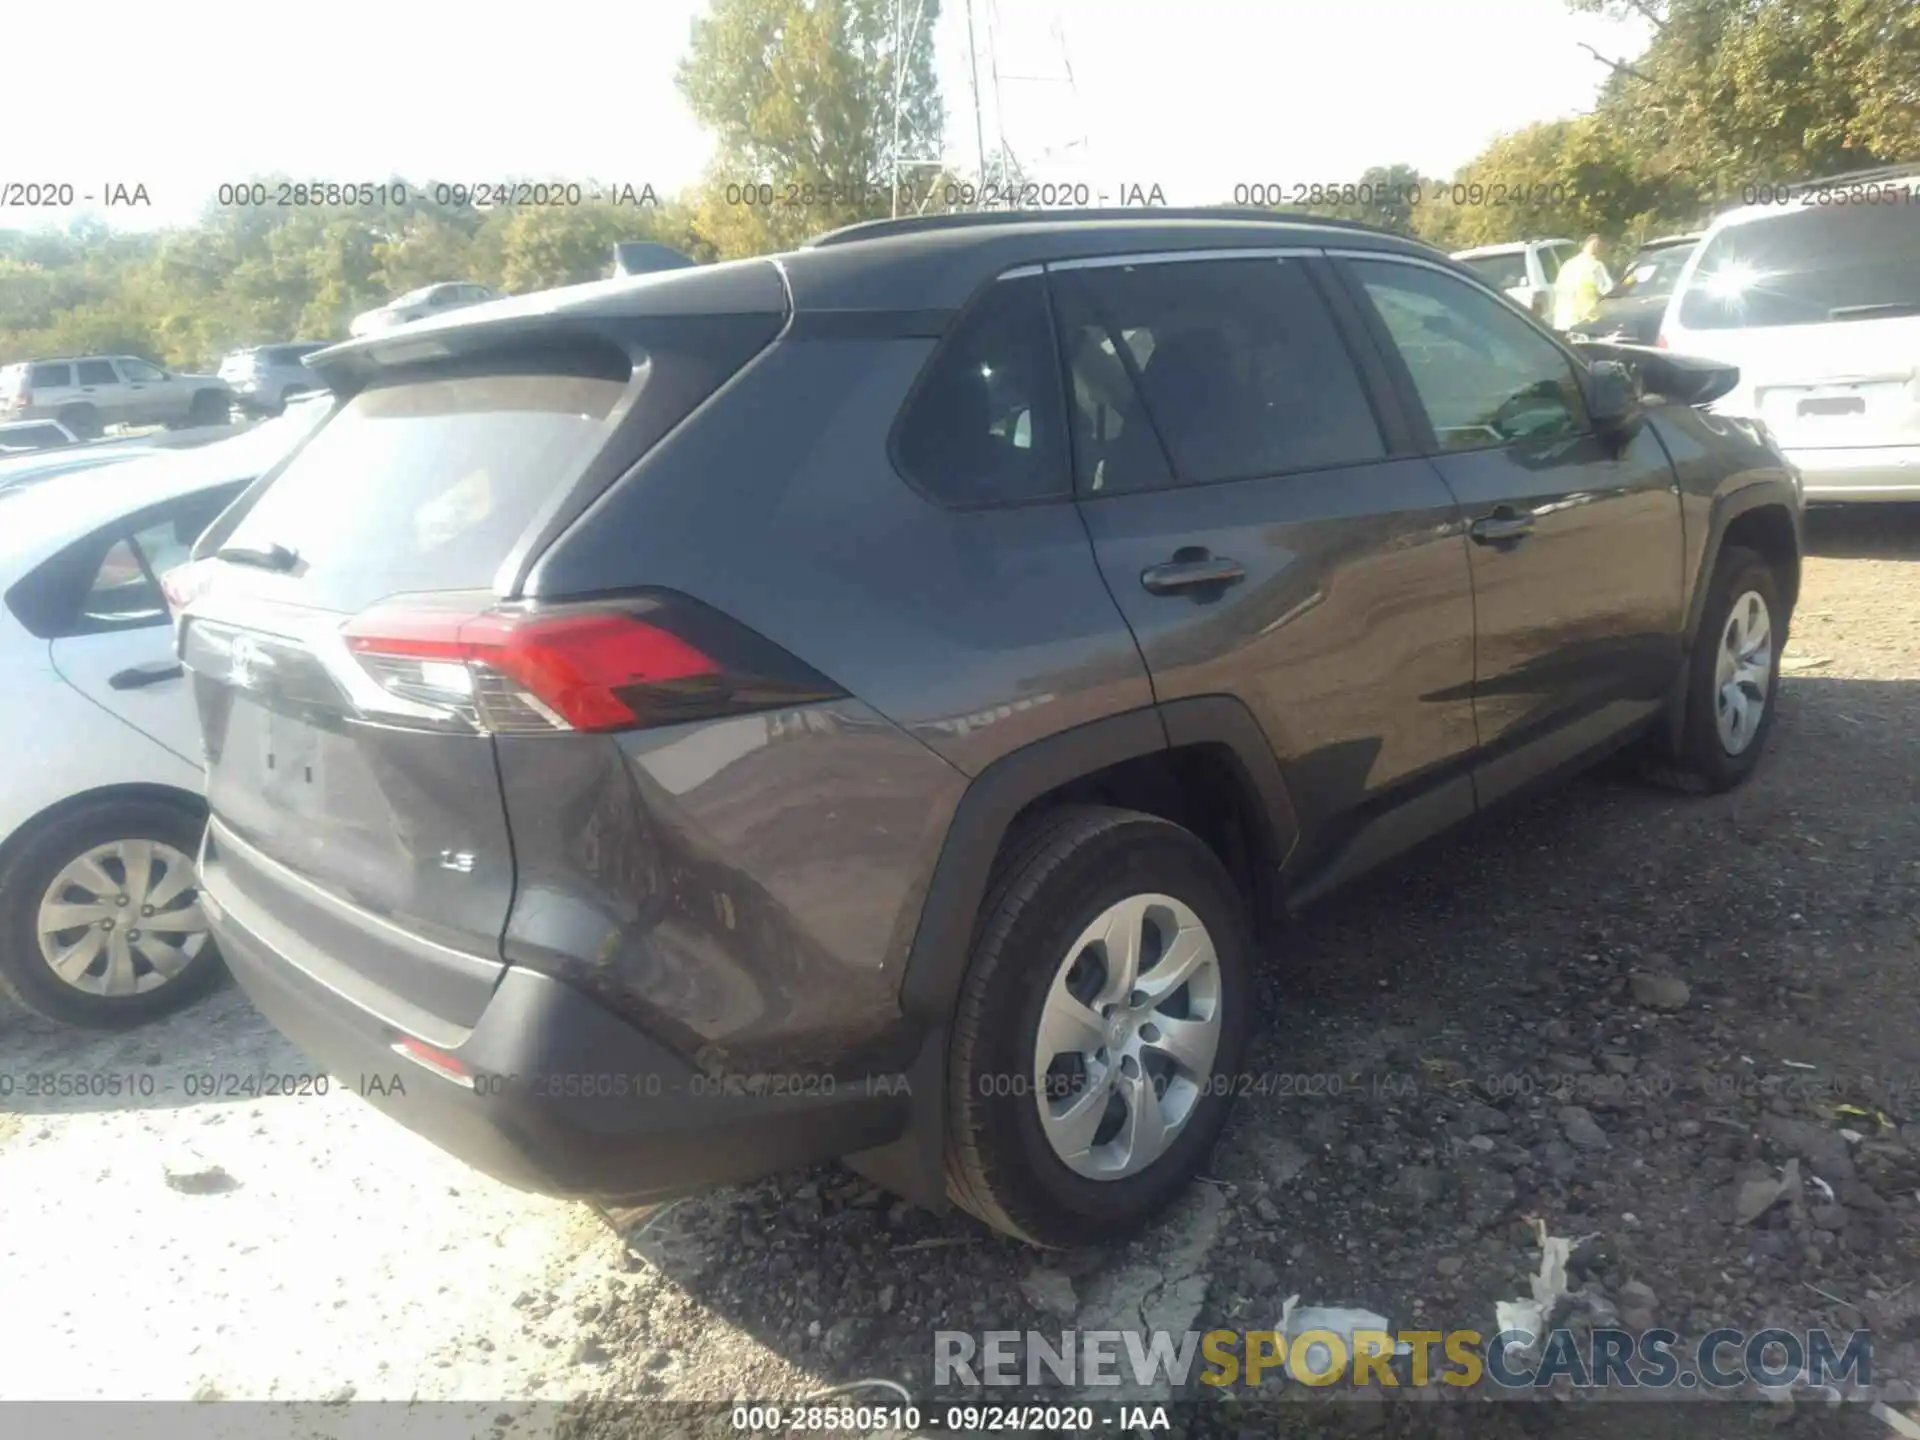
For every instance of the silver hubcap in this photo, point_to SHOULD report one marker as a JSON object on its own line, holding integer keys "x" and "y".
{"x": 1127, "y": 1036}
{"x": 1742, "y": 672}
{"x": 122, "y": 919}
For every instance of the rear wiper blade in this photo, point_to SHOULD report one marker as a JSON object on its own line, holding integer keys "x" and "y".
{"x": 273, "y": 557}
{"x": 1875, "y": 312}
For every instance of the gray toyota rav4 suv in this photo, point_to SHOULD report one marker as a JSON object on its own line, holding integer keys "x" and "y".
{"x": 880, "y": 701}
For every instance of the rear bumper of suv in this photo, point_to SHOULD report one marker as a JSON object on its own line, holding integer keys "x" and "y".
{"x": 1889, "y": 472}
{"x": 568, "y": 1099}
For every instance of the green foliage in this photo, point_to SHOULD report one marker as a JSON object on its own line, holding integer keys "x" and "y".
{"x": 248, "y": 275}
{"x": 800, "y": 95}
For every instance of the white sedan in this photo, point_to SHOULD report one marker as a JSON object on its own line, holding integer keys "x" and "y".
{"x": 100, "y": 757}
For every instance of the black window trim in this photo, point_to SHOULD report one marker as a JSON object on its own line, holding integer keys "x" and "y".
{"x": 91, "y": 550}
{"x": 1065, "y": 495}
{"x": 1398, "y": 435}
{"x": 1407, "y": 393}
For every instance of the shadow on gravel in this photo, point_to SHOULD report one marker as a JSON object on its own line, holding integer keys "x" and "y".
{"x": 1865, "y": 532}
{"x": 218, "y": 1051}
{"x": 1488, "y": 973}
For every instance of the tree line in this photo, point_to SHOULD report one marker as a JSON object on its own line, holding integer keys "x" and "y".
{"x": 816, "y": 107}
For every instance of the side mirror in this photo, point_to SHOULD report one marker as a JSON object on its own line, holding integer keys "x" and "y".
{"x": 1613, "y": 394}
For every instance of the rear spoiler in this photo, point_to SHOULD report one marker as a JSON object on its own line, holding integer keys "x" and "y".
{"x": 1666, "y": 378}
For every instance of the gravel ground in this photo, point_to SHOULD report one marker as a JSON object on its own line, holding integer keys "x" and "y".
{"x": 1618, "y": 1010}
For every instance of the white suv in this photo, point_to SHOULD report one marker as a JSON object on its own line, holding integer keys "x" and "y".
{"x": 1817, "y": 300}
{"x": 1525, "y": 270}
{"x": 89, "y": 392}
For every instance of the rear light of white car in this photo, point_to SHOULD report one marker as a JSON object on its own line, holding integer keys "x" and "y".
{"x": 656, "y": 660}
{"x": 19, "y": 400}
{"x": 184, "y": 584}
{"x": 1660, "y": 341}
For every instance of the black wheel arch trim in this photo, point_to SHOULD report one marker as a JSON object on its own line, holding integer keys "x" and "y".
{"x": 943, "y": 940}
{"x": 1726, "y": 508}
{"x": 1768, "y": 492}
{"x": 132, "y": 792}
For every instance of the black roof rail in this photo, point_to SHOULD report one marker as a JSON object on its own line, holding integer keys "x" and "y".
{"x": 1141, "y": 214}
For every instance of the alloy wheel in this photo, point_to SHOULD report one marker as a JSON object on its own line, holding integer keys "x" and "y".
{"x": 1743, "y": 672}
{"x": 122, "y": 919}
{"x": 1127, "y": 1036}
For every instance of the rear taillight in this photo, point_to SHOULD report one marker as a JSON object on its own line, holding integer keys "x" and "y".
{"x": 1660, "y": 341}
{"x": 183, "y": 584}
{"x": 19, "y": 400}
{"x": 655, "y": 660}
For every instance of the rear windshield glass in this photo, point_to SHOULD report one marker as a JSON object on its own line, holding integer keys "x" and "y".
{"x": 1808, "y": 267}
{"x": 426, "y": 485}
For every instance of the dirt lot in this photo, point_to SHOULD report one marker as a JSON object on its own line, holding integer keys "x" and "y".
{"x": 1620, "y": 1010}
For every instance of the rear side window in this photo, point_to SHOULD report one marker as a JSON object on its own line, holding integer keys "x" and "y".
{"x": 428, "y": 480}
{"x": 50, "y": 376}
{"x": 984, "y": 426}
{"x": 1236, "y": 364}
{"x": 110, "y": 581}
{"x": 33, "y": 437}
{"x": 1808, "y": 267}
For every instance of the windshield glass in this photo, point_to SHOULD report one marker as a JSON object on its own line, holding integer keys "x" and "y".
{"x": 1653, "y": 271}
{"x": 1807, "y": 267}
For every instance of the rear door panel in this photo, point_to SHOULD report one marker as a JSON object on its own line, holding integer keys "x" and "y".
{"x": 1349, "y": 634}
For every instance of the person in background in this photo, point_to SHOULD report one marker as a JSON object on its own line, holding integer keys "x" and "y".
{"x": 1578, "y": 287}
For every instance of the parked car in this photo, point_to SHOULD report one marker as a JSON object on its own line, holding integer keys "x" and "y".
{"x": 1819, "y": 307}
{"x": 264, "y": 377}
{"x": 690, "y": 737}
{"x": 1525, "y": 269}
{"x": 419, "y": 304}
{"x": 23, "y": 436}
{"x": 88, "y": 393}
{"x": 1631, "y": 311}
{"x": 33, "y": 466}
{"x": 101, "y": 780}
{"x": 644, "y": 257}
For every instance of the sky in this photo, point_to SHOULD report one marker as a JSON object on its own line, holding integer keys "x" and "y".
{"x": 1194, "y": 96}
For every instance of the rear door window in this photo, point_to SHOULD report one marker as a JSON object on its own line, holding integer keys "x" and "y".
{"x": 1808, "y": 266}
{"x": 984, "y": 425}
{"x": 96, "y": 372}
{"x": 1233, "y": 369}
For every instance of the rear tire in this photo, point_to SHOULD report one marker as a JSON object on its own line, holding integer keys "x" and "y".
{"x": 209, "y": 407}
{"x": 1733, "y": 677}
{"x": 51, "y": 850}
{"x": 1045, "y": 951}
{"x": 82, "y": 420}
